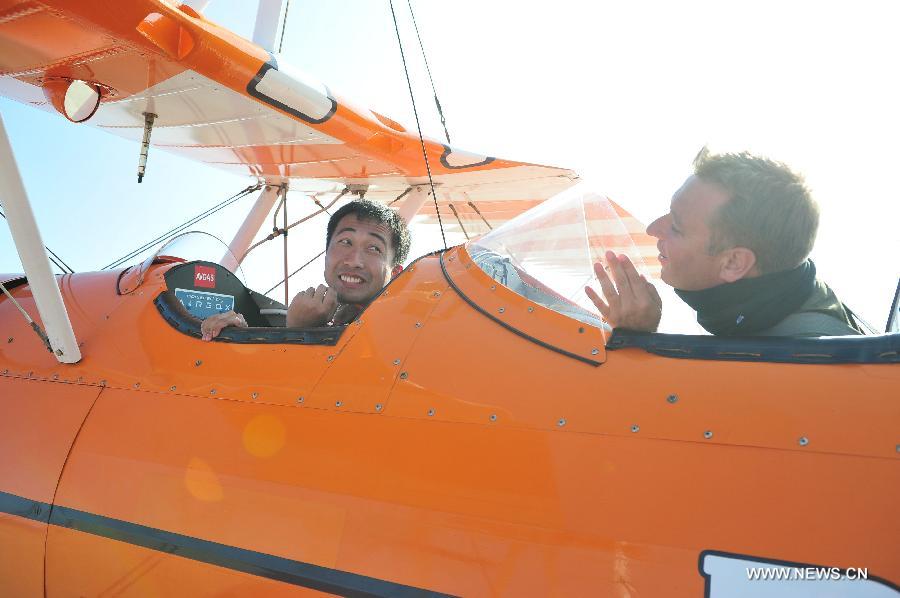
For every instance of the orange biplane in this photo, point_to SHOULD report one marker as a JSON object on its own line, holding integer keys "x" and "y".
{"x": 477, "y": 431}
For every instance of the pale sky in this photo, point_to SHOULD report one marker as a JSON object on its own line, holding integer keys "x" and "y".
{"x": 626, "y": 93}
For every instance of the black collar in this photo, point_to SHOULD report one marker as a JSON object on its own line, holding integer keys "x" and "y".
{"x": 750, "y": 305}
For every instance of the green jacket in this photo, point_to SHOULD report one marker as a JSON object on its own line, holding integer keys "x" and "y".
{"x": 822, "y": 314}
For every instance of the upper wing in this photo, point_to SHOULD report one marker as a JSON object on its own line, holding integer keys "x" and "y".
{"x": 222, "y": 100}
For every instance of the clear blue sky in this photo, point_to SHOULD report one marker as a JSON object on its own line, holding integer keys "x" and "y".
{"x": 626, "y": 93}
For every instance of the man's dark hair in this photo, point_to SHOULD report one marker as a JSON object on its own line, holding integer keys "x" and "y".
{"x": 373, "y": 211}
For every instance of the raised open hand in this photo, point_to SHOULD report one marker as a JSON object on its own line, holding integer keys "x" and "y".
{"x": 631, "y": 301}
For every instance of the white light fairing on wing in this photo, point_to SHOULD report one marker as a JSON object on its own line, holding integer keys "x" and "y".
{"x": 289, "y": 86}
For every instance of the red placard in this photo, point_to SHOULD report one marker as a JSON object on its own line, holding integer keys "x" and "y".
{"x": 205, "y": 276}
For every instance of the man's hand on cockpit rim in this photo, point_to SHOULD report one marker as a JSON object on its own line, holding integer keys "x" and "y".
{"x": 631, "y": 301}
{"x": 312, "y": 307}
{"x": 213, "y": 325}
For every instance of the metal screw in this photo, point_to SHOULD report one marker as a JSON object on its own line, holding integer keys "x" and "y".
{"x": 338, "y": 404}
{"x": 672, "y": 399}
{"x": 561, "y": 422}
{"x": 418, "y": 324}
{"x": 530, "y": 309}
{"x": 379, "y": 407}
{"x": 9, "y": 340}
{"x": 331, "y": 358}
{"x": 172, "y": 388}
{"x": 635, "y": 428}
{"x": 803, "y": 441}
{"x": 437, "y": 293}
{"x": 594, "y": 351}
{"x": 396, "y": 362}
{"x": 501, "y": 310}
{"x": 493, "y": 287}
{"x": 137, "y": 385}
{"x": 198, "y": 363}
{"x": 707, "y": 434}
{"x": 493, "y": 417}
{"x": 581, "y": 330}
{"x": 254, "y": 395}
{"x": 56, "y": 376}
{"x": 102, "y": 383}
{"x": 299, "y": 399}
{"x": 430, "y": 412}
{"x": 404, "y": 375}
{"x": 212, "y": 391}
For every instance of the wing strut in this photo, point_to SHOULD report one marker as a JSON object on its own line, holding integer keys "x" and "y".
{"x": 27, "y": 238}
{"x": 251, "y": 225}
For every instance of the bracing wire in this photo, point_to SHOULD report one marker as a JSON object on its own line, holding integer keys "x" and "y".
{"x": 57, "y": 261}
{"x": 287, "y": 7}
{"x": 183, "y": 226}
{"x": 401, "y": 196}
{"x": 437, "y": 102}
{"x": 281, "y": 282}
{"x": 418, "y": 124}
{"x": 459, "y": 220}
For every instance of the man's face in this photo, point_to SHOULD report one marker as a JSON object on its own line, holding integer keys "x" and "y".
{"x": 358, "y": 261}
{"x": 684, "y": 236}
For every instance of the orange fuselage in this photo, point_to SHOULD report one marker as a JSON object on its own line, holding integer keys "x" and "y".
{"x": 431, "y": 447}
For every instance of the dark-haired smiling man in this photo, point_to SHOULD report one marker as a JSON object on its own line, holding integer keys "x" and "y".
{"x": 366, "y": 245}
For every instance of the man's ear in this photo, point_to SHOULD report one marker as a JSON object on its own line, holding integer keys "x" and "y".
{"x": 738, "y": 263}
{"x": 396, "y": 270}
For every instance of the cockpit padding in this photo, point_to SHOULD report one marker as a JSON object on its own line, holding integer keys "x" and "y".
{"x": 883, "y": 348}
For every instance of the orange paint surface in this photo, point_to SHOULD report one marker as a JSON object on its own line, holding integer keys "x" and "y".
{"x": 21, "y": 555}
{"x": 37, "y": 428}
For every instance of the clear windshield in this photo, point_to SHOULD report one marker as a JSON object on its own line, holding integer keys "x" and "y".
{"x": 547, "y": 254}
{"x": 193, "y": 246}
